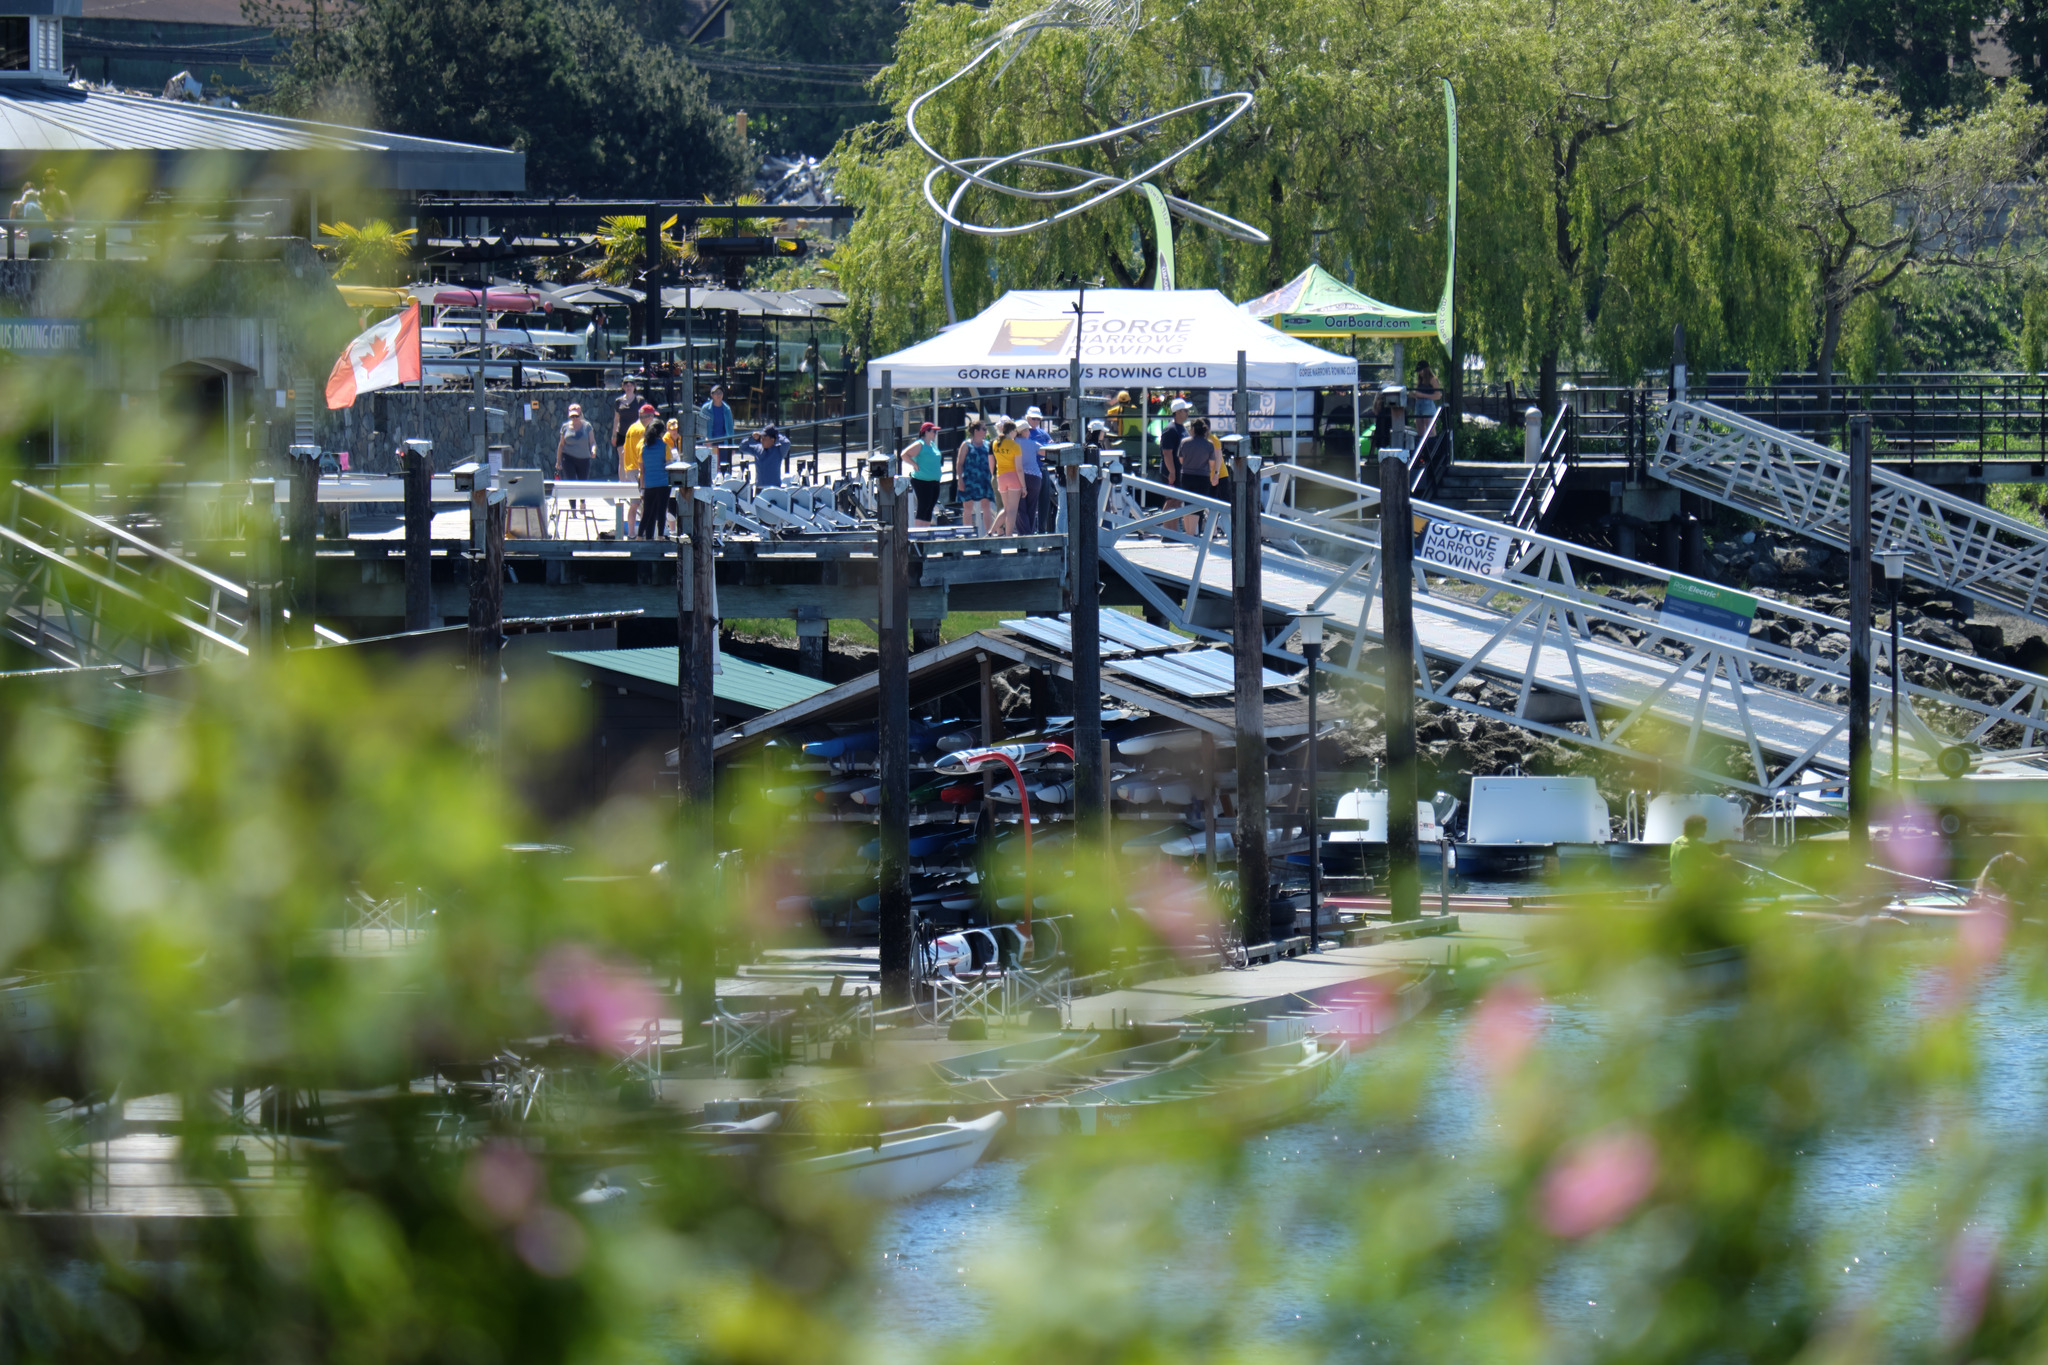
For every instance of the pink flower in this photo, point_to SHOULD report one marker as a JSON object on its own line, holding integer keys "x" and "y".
{"x": 1504, "y": 1027}
{"x": 551, "y": 1242}
{"x": 1594, "y": 1184}
{"x": 1179, "y": 910}
{"x": 1913, "y": 847}
{"x": 606, "y": 1006}
{"x": 1967, "y": 1286}
{"x": 502, "y": 1182}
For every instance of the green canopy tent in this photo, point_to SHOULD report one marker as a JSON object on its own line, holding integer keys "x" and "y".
{"x": 1316, "y": 303}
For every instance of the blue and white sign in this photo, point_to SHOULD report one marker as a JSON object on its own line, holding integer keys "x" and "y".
{"x": 45, "y": 336}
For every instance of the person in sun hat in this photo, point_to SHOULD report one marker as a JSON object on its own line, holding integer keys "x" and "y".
{"x": 925, "y": 466}
{"x": 1031, "y": 438}
{"x": 1176, "y": 431}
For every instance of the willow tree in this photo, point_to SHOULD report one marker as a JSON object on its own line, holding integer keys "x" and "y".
{"x": 1620, "y": 167}
{"x": 1286, "y": 167}
{"x": 1624, "y": 170}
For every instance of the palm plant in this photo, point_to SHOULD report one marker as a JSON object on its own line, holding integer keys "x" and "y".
{"x": 374, "y": 253}
{"x": 623, "y": 240}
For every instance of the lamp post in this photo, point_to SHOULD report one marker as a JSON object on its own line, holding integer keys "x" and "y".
{"x": 1309, "y": 626}
{"x": 1894, "y": 560}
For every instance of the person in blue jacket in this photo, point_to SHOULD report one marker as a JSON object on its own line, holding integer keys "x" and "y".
{"x": 768, "y": 451}
{"x": 715, "y": 426}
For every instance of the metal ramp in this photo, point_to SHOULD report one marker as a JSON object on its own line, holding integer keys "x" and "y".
{"x": 84, "y": 592}
{"x": 1540, "y": 646}
{"x": 1950, "y": 542}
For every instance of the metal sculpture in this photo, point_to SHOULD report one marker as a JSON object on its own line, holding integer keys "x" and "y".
{"x": 1092, "y": 188}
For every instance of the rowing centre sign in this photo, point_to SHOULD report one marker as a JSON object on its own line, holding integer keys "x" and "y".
{"x": 1468, "y": 549}
{"x": 45, "y": 336}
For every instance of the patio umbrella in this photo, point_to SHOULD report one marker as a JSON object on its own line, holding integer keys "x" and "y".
{"x": 594, "y": 295}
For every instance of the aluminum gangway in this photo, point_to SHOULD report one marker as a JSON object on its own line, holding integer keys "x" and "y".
{"x": 1548, "y": 644}
{"x": 85, "y": 592}
{"x": 1950, "y": 542}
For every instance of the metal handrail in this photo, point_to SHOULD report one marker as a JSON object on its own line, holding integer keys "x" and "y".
{"x": 71, "y": 567}
{"x": 1543, "y": 582}
{"x": 216, "y": 586}
{"x": 1546, "y": 476}
{"x": 1425, "y": 469}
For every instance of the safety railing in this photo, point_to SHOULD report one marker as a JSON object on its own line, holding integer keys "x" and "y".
{"x": 1432, "y": 457}
{"x": 1536, "y": 628}
{"x": 1950, "y": 542}
{"x": 1546, "y": 477}
{"x": 82, "y": 588}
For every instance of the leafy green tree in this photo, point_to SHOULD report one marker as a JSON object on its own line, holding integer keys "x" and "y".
{"x": 596, "y": 109}
{"x": 1873, "y": 201}
{"x": 2034, "y": 331}
{"x": 1619, "y": 166}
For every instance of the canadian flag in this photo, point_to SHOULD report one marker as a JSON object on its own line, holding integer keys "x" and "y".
{"x": 386, "y": 355}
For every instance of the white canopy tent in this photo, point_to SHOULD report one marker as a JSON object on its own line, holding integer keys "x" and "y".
{"x": 1131, "y": 338}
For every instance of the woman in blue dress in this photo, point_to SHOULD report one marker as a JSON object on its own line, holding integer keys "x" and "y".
{"x": 977, "y": 479}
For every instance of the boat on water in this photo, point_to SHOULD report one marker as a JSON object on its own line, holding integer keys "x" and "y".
{"x": 905, "y": 1163}
{"x": 1357, "y": 836}
{"x": 1515, "y": 824}
{"x": 899, "y": 1163}
{"x": 1246, "y": 1089}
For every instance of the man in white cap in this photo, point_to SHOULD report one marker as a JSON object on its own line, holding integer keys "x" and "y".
{"x": 1031, "y": 437}
{"x": 1169, "y": 447}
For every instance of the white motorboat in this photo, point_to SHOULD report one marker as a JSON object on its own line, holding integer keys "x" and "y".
{"x": 1517, "y": 822}
{"x": 904, "y": 1163}
{"x": 1358, "y": 830}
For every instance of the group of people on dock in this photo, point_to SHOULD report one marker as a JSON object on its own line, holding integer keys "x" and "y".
{"x": 644, "y": 445}
{"x": 33, "y": 207}
{"x": 1002, "y": 481}
{"x": 1006, "y": 488}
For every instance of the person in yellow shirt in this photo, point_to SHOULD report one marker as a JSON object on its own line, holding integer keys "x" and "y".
{"x": 1009, "y": 483}
{"x": 1127, "y": 421}
{"x": 629, "y": 459}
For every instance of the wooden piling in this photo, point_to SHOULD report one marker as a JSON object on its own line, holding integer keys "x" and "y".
{"x": 1397, "y": 615}
{"x": 1084, "y": 602}
{"x": 419, "y": 535}
{"x": 305, "y": 530}
{"x": 892, "y": 748}
{"x": 1248, "y": 651}
{"x": 1859, "y": 640}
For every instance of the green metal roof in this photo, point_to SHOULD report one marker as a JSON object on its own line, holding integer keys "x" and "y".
{"x": 739, "y": 681}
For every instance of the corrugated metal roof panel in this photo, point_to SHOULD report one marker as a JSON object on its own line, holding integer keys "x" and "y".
{"x": 740, "y": 681}
{"x": 1136, "y": 632}
{"x": 1168, "y": 673}
{"x": 36, "y": 118}
{"x": 1046, "y": 631}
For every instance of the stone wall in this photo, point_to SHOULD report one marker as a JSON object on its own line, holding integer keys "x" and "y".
{"x": 372, "y": 429}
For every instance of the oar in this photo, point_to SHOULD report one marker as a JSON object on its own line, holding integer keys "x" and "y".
{"x": 1956, "y": 887}
{"x": 1785, "y": 879}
